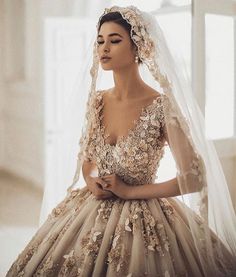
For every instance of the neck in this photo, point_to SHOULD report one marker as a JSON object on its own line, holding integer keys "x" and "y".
{"x": 128, "y": 83}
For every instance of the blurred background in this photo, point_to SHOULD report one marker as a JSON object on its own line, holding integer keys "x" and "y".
{"x": 42, "y": 48}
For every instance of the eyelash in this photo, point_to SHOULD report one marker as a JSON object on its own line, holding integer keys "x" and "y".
{"x": 112, "y": 41}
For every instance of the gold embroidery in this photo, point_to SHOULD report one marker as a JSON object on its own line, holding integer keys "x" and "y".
{"x": 60, "y": 209}
{"x": 68, "y": 265}
{"x": 119, "y": 255}
{"x": 46, "y": 269}
{"x": 17, "y": 268}
{"x": 135, "y": 157}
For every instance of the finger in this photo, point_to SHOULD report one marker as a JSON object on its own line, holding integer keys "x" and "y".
{"x": 108, "y": 193}
{"x": 104, "y": 184}
{"x": 100, "y": 181}
{"x": 104, "y": 195}
{"x": 107, "y": 177}
{"x": 107, "y": 190}
{"x": 99, "y": 186}
{"x": 104, "y": 181}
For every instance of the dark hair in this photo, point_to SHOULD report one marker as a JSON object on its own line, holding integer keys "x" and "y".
{"x": 117, "y": 18}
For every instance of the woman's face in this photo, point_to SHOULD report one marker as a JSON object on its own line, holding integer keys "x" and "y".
{"x": 114, "y": 41}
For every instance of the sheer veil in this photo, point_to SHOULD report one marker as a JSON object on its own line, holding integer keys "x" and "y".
{"x": 204, "y": 190}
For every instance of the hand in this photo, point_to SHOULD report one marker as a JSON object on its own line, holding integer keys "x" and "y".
{"x": 116, "y": 185}
{"x": 95, "y": 185}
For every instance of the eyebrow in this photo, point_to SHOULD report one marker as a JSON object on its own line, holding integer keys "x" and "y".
{"x": 111, "y": 35}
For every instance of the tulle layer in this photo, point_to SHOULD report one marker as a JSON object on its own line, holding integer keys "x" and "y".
{"x": 83, "y": 236}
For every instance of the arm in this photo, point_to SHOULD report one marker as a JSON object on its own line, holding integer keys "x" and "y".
{"x": 168, "y": 188}
{"x": 88, "y": 169}
{"x": 93, "y": 183}
{"x": 191, "y": 172}
{"x": 147, "y": 191}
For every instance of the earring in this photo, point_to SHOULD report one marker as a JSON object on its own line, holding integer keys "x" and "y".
{"x": 136, "y": 58}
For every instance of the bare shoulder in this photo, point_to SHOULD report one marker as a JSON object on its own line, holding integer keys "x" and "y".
{"x": 106, "y": 94}
{"x": 151, "y": 93}
{"x": 105, "y": 91}
{"x": 101, "y": 95}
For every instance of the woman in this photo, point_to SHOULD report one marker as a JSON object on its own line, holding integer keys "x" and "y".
{"x": 122, "y": 223}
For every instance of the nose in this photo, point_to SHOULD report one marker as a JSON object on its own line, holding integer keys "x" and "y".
{"x": 106, "y": 48}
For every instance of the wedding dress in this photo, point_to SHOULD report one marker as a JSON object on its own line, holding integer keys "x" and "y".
{"x": 83, "y": 236}
{"x": 193, "y": 235}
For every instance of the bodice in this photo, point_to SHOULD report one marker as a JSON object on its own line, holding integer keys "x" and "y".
{"x": 135, "y": 158}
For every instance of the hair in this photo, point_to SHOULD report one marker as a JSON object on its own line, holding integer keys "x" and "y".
{"x": 117, "y": 18}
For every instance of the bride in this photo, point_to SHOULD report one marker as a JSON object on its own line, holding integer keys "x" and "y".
{"x": 122, "y": 223}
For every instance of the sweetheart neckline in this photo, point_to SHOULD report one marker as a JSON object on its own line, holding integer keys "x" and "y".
{"x": 136, "y": 122}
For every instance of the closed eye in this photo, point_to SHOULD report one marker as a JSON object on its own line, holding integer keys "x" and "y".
{"x": 112, "y": 41}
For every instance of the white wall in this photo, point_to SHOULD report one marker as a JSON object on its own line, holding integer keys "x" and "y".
{"x": 21, "y": 84}
{"x": 21, "y": 92}
{"x": 2, "y": 100}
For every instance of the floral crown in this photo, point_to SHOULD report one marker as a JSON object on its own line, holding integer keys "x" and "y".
{"x": 139, "y": 34}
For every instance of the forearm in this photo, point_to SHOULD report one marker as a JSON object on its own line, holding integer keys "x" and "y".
{"x": 147, "y": 191}
{"x": 88, "y": 169}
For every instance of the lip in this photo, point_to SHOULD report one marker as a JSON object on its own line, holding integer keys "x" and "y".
{"x": 104, "y": 58}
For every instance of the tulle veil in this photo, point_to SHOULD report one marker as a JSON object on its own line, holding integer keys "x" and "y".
{"x": 201, "y": 180}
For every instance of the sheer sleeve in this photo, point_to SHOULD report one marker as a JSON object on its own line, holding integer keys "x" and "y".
{"x": 189, "y": 163}
{"x": 88, "y": 151}
{"x": 89, "y": 137}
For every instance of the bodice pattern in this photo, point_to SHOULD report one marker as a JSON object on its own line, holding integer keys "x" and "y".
{"x": 135, "y": 158}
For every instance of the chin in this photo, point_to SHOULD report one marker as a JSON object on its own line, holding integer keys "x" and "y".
{"x": 106, "y": 67}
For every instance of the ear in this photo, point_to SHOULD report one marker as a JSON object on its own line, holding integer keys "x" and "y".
{"x": 134, "y": 49}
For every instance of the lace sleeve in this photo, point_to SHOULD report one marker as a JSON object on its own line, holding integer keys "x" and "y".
{"x": 88, "y": 151}
{"x": 190, "y": 166}
{"x": 90, "y": 135}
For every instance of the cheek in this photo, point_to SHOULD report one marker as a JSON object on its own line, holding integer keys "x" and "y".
{"x": 123, "y": 54}
{"x": 99, "y": 50}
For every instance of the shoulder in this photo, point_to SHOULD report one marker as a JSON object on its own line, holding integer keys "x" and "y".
{"x": 147, "y": 94}
{"x": 98, "y": 94}
{"x": 151, "y": 92}
{"x": 156, "y": 101}
{"x": 154, "y": 96}
{"x": 103, "y": 93}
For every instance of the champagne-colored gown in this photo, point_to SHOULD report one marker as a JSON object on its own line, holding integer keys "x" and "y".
{"x": 83, "y": 236}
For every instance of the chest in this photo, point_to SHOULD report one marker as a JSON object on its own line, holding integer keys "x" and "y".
{"x": 135, "y": 153}
{"x": 140, "y": 130}
{"x": 117, "y": 120}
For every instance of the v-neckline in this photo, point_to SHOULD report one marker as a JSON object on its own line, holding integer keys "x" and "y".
{"x": 136, "y": 122}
